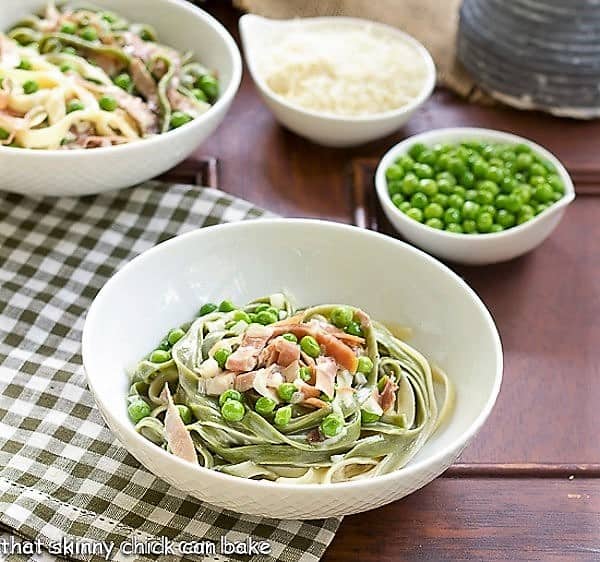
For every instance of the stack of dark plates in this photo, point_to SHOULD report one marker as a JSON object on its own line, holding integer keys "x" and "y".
{"x": 542, "y": 54}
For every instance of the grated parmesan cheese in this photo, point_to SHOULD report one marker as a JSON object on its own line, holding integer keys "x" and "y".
{"x": 344, "y": 69}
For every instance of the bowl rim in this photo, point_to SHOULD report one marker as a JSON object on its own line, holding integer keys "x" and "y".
{"x": 481, "y": 133}
{"x": 223, "y": 101}
{"x": 428, "y": 86}
{"x": 410, "y": 469}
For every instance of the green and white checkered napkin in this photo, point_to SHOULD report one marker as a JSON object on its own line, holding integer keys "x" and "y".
{"x": 61, "y": 472}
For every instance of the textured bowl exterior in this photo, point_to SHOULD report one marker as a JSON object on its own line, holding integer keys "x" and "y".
{"x": 472, "y": 249}
{"x": 329, "y": 130}
{"x": 306, "y": 258}
{"x": 81, "y": 172}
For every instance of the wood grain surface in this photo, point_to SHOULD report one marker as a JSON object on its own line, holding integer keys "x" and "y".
{"x": 510, "y": 498}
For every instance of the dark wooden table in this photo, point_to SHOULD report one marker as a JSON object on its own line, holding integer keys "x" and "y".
{"x": 528, "y": 487}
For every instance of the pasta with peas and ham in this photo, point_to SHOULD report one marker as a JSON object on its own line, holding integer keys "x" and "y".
{"x": 265, "y": 391}
{"x": 77, "y": 77}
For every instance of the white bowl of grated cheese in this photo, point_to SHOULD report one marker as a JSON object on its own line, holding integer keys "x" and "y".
{"x": 337, "y": 81}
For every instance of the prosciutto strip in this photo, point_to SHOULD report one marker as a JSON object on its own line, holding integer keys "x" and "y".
{"x": 387, "y": 397}
{"x": 244, "y": 358}
{"x": 326, "y": 370}
{"x": 178, "y": 437}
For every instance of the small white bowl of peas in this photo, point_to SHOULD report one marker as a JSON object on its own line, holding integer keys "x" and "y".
{"x": 474, "y": 196}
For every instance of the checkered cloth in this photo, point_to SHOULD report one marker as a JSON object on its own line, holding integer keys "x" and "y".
{"x": 61, "y": 472}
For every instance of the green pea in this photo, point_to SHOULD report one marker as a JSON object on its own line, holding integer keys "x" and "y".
{"x": 556, "y": 183}
{"x": 394, "y": 187}
{"x": 185, "y": 413}
{"x": 456, "y": 201}
{"x": 496, "y": 228}
{"x": 66, "y": 67}
{"x": 488, "y": 186}
{"x": 138, "y": 410}
{"x": 4, "y": 134}
{"x": 457, "y": 167}
{"x": 108, "y": 103}
{"x": 226, "y": 306}
{"x": 230, "y": 394}
{"x": 25, "y": 65}
{"x": 354, "y": 329}
{"x": 265, "y": 406}
{"x": 509, "y": 155}
{"x": 69, "y": 28}
{"x": 460, "y": 191}
{"x": 415, "y": 214}
{"x": 305, "y": 374}
{"x": 394, "y": 172}
{"x": 480, "y": 169}
{"x": 286, "y": 391}
{"x": 524, "y": 217}
{"x": 290, "y": 337}
{"x": 404, "y": 206}
{"x": 207, "y": 309}
{"x": 410, "y": 184}
{"x": 75, "y": 105}
{"x": 433, "y": 211}
{"x": 341, "y": 316}
{"x": 220, "y": 356}
{"x": 209, "y": 85}
{"x": 513, "y": 203}
{"x": 543, "y": 193}
{"x": 471, "y": 194}
{"x": 469, "y": 226}
{"x": 69, "y": 50}
{"x": 416, "y": 149}
{"x": 262, "y": 307}
{"x": 266, "y": 317}
{"x": 179, "y": 118}
{"x": 452, "y": 215}
{"x": 309, "y": 345}
{"x": 419, "y": 200}
{"x": 454, "y": 227}
{"x": 365, "y": 365}
{"x": 199, "y": 94}
{"x": 484, "y": 198}
{"x": 406, "y": 162}
{"x": 470, "y": 210}
{"x": 495, "y": 174}
{"x": 541, "y": 208}
{"x": 175, "y": 335}
{"x": 535, "y": 181}
{"x": 444, "y": 186}
{"x": 505, "y": 218}
{"x": 428, "y": 187}
{"x": 423, "y": 171}
{"x": 164, "y": 345}
{"x": 241, "y": 316}
{"x": 368, "y": 417}
{"x": 332, "y": 425}
{"x": 467, "y": 179}
{"x": 440, "y": 199}
{"x": 447, "y": 177}
{"x": 435, "y": 223}
{"x": 523, "y": 161}
{"x": 397, "y": 199}
{"x": 124, "y": 82}
{"x": 537, "y": 169}
{"x": 283, "y": 416}
{"x": 89, "y": 33}
{"x": 232, "y": 411}
{"x": 484, "y": 222}
{"x": 109, "y": 17}
{"x": 490, "y": 209}
{"x": 31, "y": 87}
{"x": 160, "y": 356}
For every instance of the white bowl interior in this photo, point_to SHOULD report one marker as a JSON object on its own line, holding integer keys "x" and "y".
{"x": 316, "y": 262}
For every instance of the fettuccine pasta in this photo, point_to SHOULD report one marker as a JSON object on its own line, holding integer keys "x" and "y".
{"x": 265, "y": 391}
{"x": 83, "y": 78}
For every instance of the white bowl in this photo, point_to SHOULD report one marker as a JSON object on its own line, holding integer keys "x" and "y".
{"x": 475, "y": 249}
{"x": 79, "y": 172}
{"x": 317, "y": 262}
{"x": 257, "y": 33}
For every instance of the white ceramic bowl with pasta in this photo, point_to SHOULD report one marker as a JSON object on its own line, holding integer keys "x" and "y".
{"x": 316, "y": 262}
{"x": 475, "y": 249}
{"x": 257, "y": 35}
{"x": 83, "y": 171}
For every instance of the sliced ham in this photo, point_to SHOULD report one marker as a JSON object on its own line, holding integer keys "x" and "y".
{"x": 326, "y": 371}
{"x": 219, "y": 384}
{"x": 244, "y": 381}
{"x": 178, "y": 437}
{"x": 292, "y": 371}
{"x": 307, "y": 390}
{"x": 244, "y": 358}
{"x": 387, "y": 397}
{"x": 280, "y": 351}
{"x": 266, "y": 381}
{"x": 337, "y": 349}
{"x": 337, "y": 332}
{"x": 315, "y": 403}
